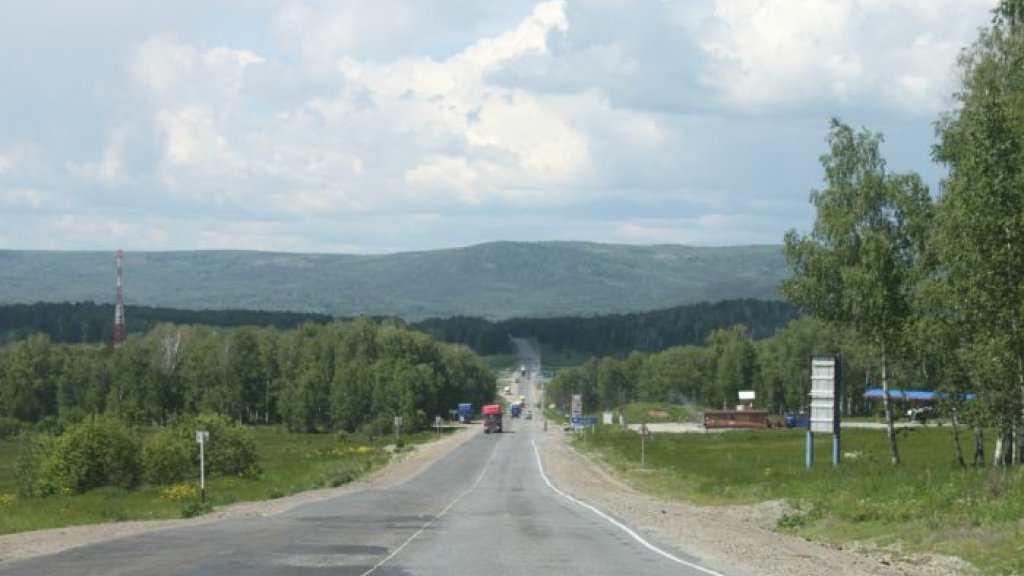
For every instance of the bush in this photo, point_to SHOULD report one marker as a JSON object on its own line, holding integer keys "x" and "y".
{"x": 168, "y": 457}
{"x": 230, "y": 450}
{"x": 100, "y": 451}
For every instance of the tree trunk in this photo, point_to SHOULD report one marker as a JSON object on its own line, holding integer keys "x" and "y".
{"x": 890, "y": 427}
{"x": 956, "y": 439}
{"x": 997, "y": 460}
{"x": 979, "y": 446}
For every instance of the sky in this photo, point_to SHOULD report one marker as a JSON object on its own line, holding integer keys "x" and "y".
{"x": 381, "y": 126}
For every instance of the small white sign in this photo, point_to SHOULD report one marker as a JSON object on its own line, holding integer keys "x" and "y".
{"x": 202, "y": 436}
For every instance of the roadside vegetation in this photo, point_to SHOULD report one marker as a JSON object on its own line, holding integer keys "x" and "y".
{"x": 926, "y": 505}
{"x": 283, "y": 463}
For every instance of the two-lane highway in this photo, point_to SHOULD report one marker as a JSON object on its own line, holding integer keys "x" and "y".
{"x": 485, "y": 508}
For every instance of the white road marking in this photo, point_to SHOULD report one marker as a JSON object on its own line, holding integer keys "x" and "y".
{"x": 616, "y": 523}
{"x": 436, "y": 517}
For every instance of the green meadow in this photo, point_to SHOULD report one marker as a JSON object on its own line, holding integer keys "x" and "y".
{"x": 928, "y": 504}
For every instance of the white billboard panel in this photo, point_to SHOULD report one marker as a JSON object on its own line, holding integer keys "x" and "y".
{"x": 824, "y": 387}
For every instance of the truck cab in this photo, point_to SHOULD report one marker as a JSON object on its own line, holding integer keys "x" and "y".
{"x": 491, "y": 414}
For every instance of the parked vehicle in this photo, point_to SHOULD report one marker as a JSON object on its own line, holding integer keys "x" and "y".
{"x": 795, "y": 421}
{"x": 492, "y": 418}
{"x": 515, "y": 410}
{"x": 921, "y": 414}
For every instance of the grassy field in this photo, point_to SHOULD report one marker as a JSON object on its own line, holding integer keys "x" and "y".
{"x": 928, "y": 504}
{"x": 290, "y": 463}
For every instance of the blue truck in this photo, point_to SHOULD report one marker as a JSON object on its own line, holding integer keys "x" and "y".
{"x": 465, "y": 413}
{"x": 514, "y": 410}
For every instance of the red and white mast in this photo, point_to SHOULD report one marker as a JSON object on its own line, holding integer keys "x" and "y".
{"x": 119, "y": 330}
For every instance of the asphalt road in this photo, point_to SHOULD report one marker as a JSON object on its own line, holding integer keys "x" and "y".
{"x": 485, "y": 508}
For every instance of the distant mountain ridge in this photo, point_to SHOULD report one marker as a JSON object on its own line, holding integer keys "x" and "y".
{"x": 496, "y": 280}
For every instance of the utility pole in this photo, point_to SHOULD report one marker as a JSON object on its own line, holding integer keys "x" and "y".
{"x": 119, "y": 328}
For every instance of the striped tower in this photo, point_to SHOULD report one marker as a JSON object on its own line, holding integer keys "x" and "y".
{"x": 119, "y": 330}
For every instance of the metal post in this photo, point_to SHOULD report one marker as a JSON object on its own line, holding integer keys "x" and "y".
{"x": 202, "y": 467}
{"x": 643, "y": 459}
{"x": 835, "y": 449}
{"x": 810, "y": 449}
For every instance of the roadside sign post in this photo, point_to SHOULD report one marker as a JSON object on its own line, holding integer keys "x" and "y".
{"x": 644, "y": 433}
{"x": 825, "y": 394}
{"x": 201, "y": 437}
{"x": 398, "y": 426}
{"x": 437, "y": 422}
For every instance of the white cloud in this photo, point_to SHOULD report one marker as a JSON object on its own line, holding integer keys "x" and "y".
{"x": 332, "y": 125}
{"x": 788, "y": 52}
{"x": 20, "y": 198}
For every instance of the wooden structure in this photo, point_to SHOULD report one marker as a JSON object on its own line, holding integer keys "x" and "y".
{"x": 736, "y": 419}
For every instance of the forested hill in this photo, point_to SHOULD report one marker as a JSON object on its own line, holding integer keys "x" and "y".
{"x": 494, "y": 281}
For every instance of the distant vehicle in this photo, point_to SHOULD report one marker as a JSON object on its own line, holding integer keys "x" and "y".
{"x": 465, "y": 413}
{"x": 492, "y": 418}
{"x": 522, "y": 370}
{"x": 795, "y": 421}
{"x": 515, "y": 410}
{"x": 508, "y": 390}
{"x": 921, "y": 414}
{"x": 529, "y": 415}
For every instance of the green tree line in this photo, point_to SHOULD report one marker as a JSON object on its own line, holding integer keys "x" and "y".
{"x": 610, "y": 334}
{"x": 617, "y": 334}
{"x": 354, "y": 375}
{"x": 730, "y": 360}
{"x": 88, "y": 322}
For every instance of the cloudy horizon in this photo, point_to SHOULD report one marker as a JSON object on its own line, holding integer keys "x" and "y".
{"x": 391, "y": 126}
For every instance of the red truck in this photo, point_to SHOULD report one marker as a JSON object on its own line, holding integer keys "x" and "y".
{"x": 492, "y": 418}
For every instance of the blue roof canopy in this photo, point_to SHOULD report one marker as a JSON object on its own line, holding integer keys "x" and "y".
{"x": 919, "y": 395}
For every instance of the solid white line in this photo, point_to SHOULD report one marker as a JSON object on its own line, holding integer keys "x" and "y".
{"x": 435, "y": 518}
{"x": 613, "y": 521}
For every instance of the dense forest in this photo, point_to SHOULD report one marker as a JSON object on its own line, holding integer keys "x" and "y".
{"x": 617, "y": 334}
{"x": 88, "y": 322}
{"x": 339, "y": 376}
{"x": 604, "y": 335}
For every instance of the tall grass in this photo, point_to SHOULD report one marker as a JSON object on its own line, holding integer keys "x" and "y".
{"x": 927, "y": 504}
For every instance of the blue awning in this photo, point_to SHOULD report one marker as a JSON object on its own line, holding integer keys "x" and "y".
{"x": 913, "y": 395}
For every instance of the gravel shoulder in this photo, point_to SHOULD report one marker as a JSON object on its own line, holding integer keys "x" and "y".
{"x": 734, "y": 540}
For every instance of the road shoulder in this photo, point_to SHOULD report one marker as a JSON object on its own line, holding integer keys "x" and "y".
{"x": 735, "y": 540}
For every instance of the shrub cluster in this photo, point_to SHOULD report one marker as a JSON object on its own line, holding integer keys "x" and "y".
{"x": 99, "y": 451}
{"x": 171, "y": 454}
{"x": 103, "y": 451}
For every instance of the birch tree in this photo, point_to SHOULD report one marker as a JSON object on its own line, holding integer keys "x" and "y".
{"x": 858, "y": 265}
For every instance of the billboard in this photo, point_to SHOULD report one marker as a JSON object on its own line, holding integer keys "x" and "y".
{"x": 825, "y": 394}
